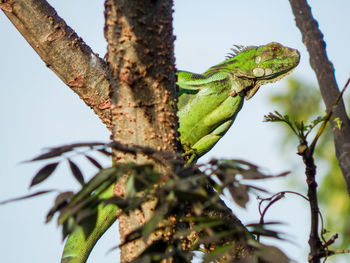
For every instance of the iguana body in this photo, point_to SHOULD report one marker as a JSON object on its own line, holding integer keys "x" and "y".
{"x": 207, "y": 106}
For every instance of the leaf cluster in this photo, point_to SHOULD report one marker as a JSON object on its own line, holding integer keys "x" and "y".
{"x": 189, "y": 214}
{"x": 299, "y": 128}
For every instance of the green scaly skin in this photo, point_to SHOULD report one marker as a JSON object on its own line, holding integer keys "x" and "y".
{"x": 78, "y": 247}
{"x": 208, "y": 104}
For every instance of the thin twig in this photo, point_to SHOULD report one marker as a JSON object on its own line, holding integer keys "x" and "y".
{"x": 273, "y": 199}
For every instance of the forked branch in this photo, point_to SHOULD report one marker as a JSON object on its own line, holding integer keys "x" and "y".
{"x": 63, "y": 51}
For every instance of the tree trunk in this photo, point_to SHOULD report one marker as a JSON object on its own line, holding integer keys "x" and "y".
{"x": 140, "y": 55}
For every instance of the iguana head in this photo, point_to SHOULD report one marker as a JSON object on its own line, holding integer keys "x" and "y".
{"x": 258, "y": 65}
{"x": 271, "y": 63}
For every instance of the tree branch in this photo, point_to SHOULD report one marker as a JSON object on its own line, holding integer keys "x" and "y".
{"x": 63, "y": 51}
{"x": 315, "y": 243}
{"x": 313, "y": 40}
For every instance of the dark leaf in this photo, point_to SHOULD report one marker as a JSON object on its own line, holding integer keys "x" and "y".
{"x": 257, "y": 189}
{"x": 200, "y": 224}
{"x": 265, "y": 223}
{"x": 85, "y": 213}
{"x": 58, "y": 151}
{"x": 87, "y": 220}
{"x": 60, "y": 202}
{"x": 218, "y": 253}
{"x": 102, "y": 181}
{"x": 153, "y": 253}
{"x": 94, "y": 162}
{"x": 237, "y": 162}
{"x": 209, "y": 224}
{"x": 145, "y": 177}
{"x": 76, "y": 172}
{"x": 68, "y": 227}
{"x": 239, "y": 195}
{"x": 133, "y": 235}
{"x": 25, "y": 197}
{"x": 150, "y": 226}
{"x": 125, "y": 204}
{"x": 141, "y": 183}
{"x": 248, "y": 259}
{"x": 67, "y": 214}
{"x": 195, "y": 195}
{"x": 120, "y": 202}
{"x": 269, "y": 254}
{"x": 105, "y": 152}
{"x": 266, "y": 232}
{"x": 55, "y": 152}
{"x": 43, "y": 173}
{"x": 219, "y": 236}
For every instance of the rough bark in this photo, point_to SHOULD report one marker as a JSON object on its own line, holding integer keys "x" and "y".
{"x": 63, "y": 51}
{"x": 140, "y": 55}
{"x": 313, "y": 40}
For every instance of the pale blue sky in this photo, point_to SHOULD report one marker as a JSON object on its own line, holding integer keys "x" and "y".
{"x": 38, "y": 110}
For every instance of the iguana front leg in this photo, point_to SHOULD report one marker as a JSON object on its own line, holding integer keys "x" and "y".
{"x": 211, "y": 139}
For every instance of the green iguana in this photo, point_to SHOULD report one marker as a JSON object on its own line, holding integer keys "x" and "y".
{"x": 207, "y": 106}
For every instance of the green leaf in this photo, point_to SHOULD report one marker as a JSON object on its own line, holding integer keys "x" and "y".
{"x": 43, "y": 173}
{"x": 76, "y": 172}
{"x": 130, "y": 190}
{"x": 89, "y": 192}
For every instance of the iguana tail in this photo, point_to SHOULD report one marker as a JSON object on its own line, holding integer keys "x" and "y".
{"x": 78, "y": 246}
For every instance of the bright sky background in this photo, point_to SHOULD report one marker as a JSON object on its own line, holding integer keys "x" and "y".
{"x": 38, "y": 110}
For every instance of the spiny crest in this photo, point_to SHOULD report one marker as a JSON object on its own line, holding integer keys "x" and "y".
{"x": 238, "y": 49}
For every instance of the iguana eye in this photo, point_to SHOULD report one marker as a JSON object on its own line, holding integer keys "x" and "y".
{"x": 274, "y": 49}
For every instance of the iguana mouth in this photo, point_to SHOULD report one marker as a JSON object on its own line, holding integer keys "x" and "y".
{"x": 264, "y": 80}
{"x": 250, "y": 92}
